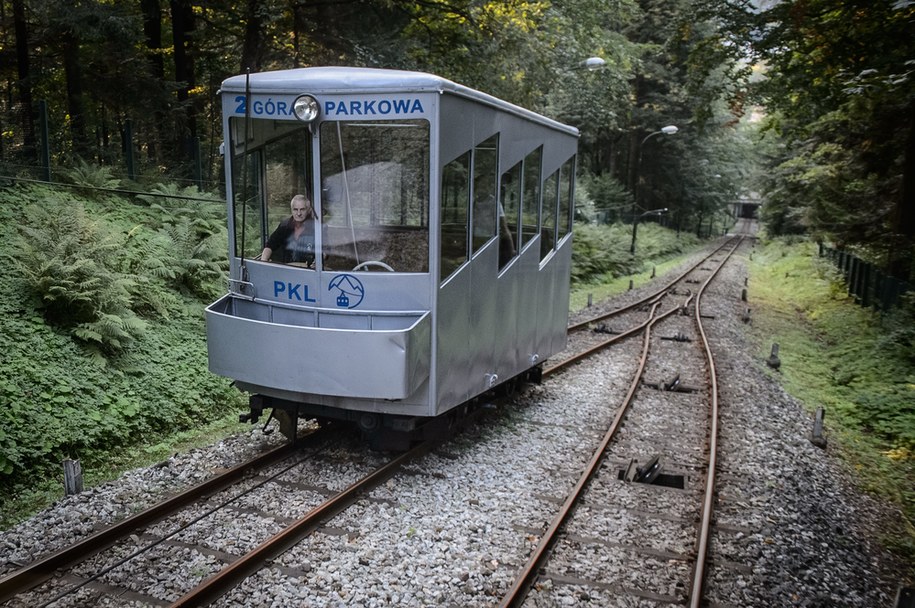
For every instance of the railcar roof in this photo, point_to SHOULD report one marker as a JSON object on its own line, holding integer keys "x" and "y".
{"x": 339, "y": 80}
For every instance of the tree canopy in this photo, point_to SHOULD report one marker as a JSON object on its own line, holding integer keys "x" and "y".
{"x": 840, "y": 96}
{"x": 818, "y": 91}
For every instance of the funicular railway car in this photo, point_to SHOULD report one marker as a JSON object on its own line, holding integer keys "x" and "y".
{"x": 436, "y": 261}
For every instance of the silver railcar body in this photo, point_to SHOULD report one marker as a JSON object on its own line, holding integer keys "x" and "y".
{"x": 442, "y": 243}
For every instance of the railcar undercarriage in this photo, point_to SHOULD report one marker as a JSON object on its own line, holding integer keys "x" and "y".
{"x": 384, "y": 432}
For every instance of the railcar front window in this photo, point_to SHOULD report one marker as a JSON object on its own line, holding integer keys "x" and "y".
{"x": 247, "y": 196}
{"x": 274, "y": 166}
{"x": 375, "y": 195}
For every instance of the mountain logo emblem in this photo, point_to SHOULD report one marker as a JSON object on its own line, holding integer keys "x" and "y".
{"x": 349, "y": 290}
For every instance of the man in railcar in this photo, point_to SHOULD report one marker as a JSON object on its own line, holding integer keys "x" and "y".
{"x": 293, "y": 241}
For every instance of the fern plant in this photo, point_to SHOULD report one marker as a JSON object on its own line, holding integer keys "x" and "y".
{"x": 67, "y": 261}
{"x": 197, "y": 264}
{"x": 92, "y": 176}
{"x": 176, "y": 204}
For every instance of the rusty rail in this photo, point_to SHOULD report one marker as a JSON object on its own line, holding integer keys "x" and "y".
{"x": 529, "y": 573}
{"x": 40, "y": 570}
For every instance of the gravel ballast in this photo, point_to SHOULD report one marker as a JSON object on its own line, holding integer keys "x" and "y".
{"x": 454, "y": 528}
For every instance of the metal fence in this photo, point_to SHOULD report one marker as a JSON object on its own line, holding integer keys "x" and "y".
{"x": 869, "y": 285}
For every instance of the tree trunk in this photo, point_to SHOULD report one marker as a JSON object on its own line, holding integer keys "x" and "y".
{"x": 182, "y": 37}
{"x": 74, "y": 77}
{"x": 904, "y": 216}
{"x": 252, "y": 52}
{"x": 24, "y": 74}
{"x": 152, "y": 30}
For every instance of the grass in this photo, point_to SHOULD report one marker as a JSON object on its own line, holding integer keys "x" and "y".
{"x": 603, "y": 266}
{"x": 836, "y": 354}
{"x": 608, "y": 287}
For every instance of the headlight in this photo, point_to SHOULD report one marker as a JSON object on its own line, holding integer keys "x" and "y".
{"x": 305, "y": 108}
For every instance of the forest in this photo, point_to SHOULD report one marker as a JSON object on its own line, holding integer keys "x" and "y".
{"x": 807, "y": 105}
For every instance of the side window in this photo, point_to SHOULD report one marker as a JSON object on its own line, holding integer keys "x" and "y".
{"x": 509, "y": 214}
{"x": 566, "y": 188}
{"x": 530, "y": 199}
{"x": 550, "y": 200}
{"x": 485, "y": 172}
{"x": 277, "y": 166}
{"x": 454, "y": 215}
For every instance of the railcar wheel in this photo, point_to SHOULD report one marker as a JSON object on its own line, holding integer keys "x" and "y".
{"x": 369, "y": 423}
{"x": 366, "y": 264}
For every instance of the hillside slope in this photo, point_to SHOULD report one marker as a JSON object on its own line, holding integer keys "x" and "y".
{"x": 102, "y": 334}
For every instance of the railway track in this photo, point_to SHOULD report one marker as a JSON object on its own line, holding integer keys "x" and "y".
{"x": 42, "y": 569}
{"x": 308, "y": 478}
{"x": 597, "y": 331}
{"x": 667, "y": 565}
{"x": 225, "y": 569}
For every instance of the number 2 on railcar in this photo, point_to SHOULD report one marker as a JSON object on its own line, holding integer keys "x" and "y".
{"x": 438, "y": 249}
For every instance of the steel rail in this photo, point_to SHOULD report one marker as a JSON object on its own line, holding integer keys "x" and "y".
{"x": 40, "y": 570}
{"x": 695, "y": 595}
{"x": 590, "y": 351}
{"x": 649, "y": 298}
{"x": 229, "y": 577}
{"x": 528, "y": 574}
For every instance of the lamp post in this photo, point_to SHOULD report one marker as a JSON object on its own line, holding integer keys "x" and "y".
{"x": 668, "y": 130}
{"x": 635, "y": 224}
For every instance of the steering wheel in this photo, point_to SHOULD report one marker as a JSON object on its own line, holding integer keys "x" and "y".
{"x": 367, "y": 263}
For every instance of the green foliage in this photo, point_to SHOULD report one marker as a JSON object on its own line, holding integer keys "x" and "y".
{"x": 145, "y": 378}
{"x": 92, "y": 176}
{"x": 899, "y": 339}
{"x": 839, "y": 89}
{"x": 859, "y": 366}
{"x": 67, "y": 262}
{"x": 601, "y": 252}
{"x": 611, "y": 200}
{"x": 189, "y": 248}
{"x": 177, "y": 205}
{"x": 201, "y": 265}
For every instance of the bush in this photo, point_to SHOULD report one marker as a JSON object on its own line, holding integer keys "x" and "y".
{"x": 601, "y": 252}
{"x": 611, "y": 200}
{"x": 92, "y": 176}
{"x": 899, "y": 339}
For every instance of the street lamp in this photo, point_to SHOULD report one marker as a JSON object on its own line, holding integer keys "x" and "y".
{"x": 635, "y": 224}
{"x": 668, "y": 130}
{"x": 593, "y": 63}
